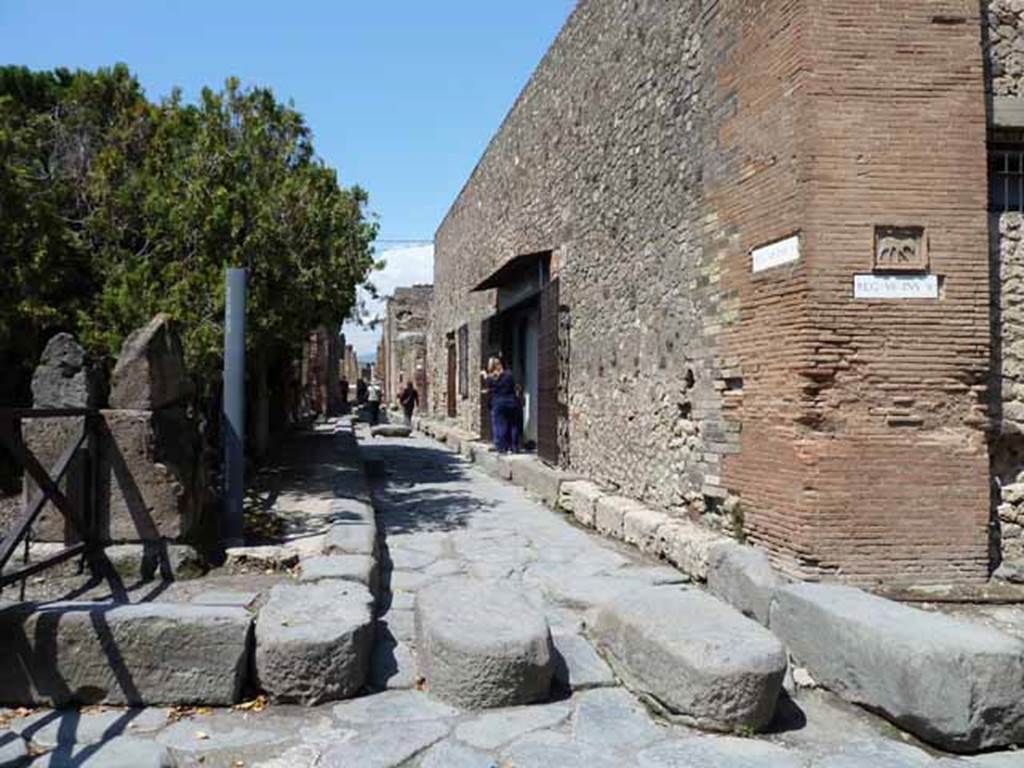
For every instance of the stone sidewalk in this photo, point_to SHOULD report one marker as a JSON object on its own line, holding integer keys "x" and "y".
{"x": 440, "y": 516}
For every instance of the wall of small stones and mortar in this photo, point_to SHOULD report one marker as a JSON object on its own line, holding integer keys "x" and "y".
{"x": 600, "y": 161}
{"x": 1005, "y": 41}
{"x": 404, "y": 340}
{"x": 658, "y": 144}
{"x": 1008, "y": 444}
{"x": 1005, "y": 38}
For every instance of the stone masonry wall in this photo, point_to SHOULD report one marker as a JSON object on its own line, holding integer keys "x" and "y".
{"x": 1008, "y": 446}
{"x": 1005, "y": 38}
{"x": 600, "y": 161}
{"x": 404, "y": 339}
{"x": 658, "y": 144}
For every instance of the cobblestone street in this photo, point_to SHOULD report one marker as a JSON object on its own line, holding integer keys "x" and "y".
{"x": 440, "y": 516}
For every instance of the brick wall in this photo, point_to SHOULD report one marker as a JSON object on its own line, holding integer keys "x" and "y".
{"x": 656, "y": 145}
{"x": 873, "y": 411}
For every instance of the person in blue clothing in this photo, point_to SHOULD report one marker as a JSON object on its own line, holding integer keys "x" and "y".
{"x": 504, "y": 405}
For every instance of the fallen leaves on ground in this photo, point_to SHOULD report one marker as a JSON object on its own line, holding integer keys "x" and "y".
{"x": 174, "y": 714}
{"x": 253, "y": 705}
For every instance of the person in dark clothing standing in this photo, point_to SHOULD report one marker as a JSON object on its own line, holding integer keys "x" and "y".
{"x": 409, "y": 399}
{"x": 504, "y": 405}
{"x": 360, "y": 391}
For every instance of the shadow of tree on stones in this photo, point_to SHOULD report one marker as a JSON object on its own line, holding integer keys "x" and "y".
{"x": 408, "y": 484}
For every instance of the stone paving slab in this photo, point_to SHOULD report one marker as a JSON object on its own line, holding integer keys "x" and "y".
{"x": 577, "y": 665}
{"x": 494, "y": 729}
{"x": 120, "y": 752}
{"x": 13, "y": 750}
{"x": 47, "y": 729}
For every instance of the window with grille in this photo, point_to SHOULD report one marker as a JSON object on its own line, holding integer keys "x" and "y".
{"x": 1006, "y": 179}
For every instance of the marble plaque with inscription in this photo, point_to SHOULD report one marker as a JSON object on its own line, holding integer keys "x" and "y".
{"x": 880, "y": 287}
{"x": 776, "y": 254}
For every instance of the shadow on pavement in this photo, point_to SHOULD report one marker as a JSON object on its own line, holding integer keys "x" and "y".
{"x": 409, "y": 488}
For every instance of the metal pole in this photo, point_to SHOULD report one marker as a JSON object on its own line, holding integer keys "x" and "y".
{"x": 234, "y": 406}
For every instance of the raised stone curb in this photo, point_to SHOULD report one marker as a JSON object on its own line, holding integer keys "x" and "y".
{"x": 693, "y": 655}
{"x": 579, "y": 498}
{"x": 313, "y": 641}
{"x": 354, "y": 538}
{"x": 482, "y": 645}
{"x": 538, "y": 478}
{"x": 744, "y": 578}
{"x": 955, "y": 684}
{"x": 491, "y": 462}
{"x": 151, "y": 654}
{"x": 361, "y": 569}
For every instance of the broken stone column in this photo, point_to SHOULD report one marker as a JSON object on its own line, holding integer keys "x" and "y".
{"x": 65, "y": 378}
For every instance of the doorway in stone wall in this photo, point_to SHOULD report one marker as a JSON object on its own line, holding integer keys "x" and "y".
{"x": 514, "y": 334}
{"x": 453, "y": 363}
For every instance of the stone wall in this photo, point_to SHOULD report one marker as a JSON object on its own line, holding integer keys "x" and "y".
{"x": 655, "y": 147}
{"x": 404, "y": 339}
{"x": 1008, "y": 444}
{"x": 1005, "y": 39}
{"x": 608, "y": 179}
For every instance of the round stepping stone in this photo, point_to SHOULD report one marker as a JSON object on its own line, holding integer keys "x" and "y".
{"x": 482, "y": 645}
{"x": 313, "y": 641}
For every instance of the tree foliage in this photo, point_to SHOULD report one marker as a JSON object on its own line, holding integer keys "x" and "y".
{"x": 113, "y": 208}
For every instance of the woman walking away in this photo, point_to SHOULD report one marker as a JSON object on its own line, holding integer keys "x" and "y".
{"x": 504, "y": 404}
{"x": 409, "y": 399}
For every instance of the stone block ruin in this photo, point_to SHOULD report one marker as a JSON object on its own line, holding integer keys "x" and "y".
{"x": 149, "y": 482}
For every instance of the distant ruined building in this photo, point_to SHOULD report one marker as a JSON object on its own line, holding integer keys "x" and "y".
{"x": 738, "y": 256}
{"x": 403, "y": 350}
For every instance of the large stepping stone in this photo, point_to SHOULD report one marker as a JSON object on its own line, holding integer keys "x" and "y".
{"x": 695, "y": 656}
{"x": 313, "y": 641}
{"x": 481, "y": 644}
{"x": 165, "y": 654}
{"x": 391, "y": 430}
{"x": 955, "y": 684}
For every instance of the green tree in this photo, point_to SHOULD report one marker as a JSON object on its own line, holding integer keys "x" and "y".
{"x": 113, "y": 208}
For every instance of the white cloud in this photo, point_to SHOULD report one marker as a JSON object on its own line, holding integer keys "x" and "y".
{"x": 402, "y": 267}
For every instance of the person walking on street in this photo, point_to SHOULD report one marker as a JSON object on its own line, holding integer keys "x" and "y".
{"x": 409, "y": 399}
{"x": 373, "y": 403}
{"x": 504, "y": 405}
{"x": 360, "y": 391}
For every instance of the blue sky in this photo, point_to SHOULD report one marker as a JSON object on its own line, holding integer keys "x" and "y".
{"x": 402, "y": 95}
